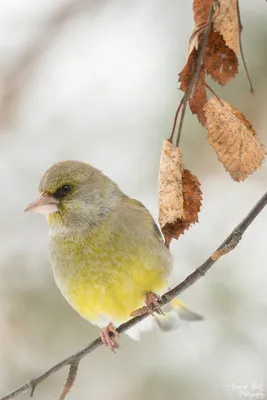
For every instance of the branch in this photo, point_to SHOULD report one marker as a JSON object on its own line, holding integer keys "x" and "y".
{"x": 229, "y": 243}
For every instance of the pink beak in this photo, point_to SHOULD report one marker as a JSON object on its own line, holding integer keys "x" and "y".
{"x": 44, "y": 204}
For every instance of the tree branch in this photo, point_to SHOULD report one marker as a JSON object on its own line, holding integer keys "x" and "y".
{"x": 229, "y": 243}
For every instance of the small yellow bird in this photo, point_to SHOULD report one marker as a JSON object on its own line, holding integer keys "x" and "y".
{"x": 107, "y": 253}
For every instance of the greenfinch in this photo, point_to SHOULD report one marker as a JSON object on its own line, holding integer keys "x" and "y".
{"x": 107, "y": 253}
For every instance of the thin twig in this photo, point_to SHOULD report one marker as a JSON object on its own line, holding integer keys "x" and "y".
{"x": 175, "y": 119}
{"x": 190, "y": 90}
{"x": 184, "y": 105}
{"x": 194, "y": 82}
{"x": 166, "y": 298}
{"x": 197, "y": 31}
{"x": 214, "y": 94}
{"x": 70, "y": 380}
{"x": 240, "y": 29}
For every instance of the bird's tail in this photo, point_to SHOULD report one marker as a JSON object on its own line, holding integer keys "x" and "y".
{"x": 173, "y": 313}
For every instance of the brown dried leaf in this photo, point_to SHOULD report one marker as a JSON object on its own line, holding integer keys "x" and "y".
{"x": 193, "y": 41}
{"x": 242, "y": 117}
{"x": 192, "y": 197}
{"x": 219, "y": 60}
{"x": 233, "y": 139}
{"x": 186, "y": 74}
{"x": 227, "y": 24}
{"x": 201, "y": 10}
{"x": 198, "y": 101}
{"x": 170, "y": 192}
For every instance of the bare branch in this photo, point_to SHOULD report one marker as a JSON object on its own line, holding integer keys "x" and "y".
{"x": 74, "y": 359}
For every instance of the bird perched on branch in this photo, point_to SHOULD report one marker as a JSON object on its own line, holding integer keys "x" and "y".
{"x": 107, "y": 253}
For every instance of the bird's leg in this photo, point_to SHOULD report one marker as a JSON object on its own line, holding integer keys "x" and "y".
{"x": 153, "y": 302}
{"x": 152, "y": 305}
{"x": 108, "y": 336}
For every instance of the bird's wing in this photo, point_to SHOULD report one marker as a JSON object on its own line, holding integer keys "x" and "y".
{"x": 156, "y": 230}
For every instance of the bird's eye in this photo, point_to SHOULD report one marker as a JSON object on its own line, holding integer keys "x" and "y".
{"x": 63, "y": 191}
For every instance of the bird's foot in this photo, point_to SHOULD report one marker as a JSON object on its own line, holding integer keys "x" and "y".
{"x": 109, "y": 337}
{"x": 152, "y": 305}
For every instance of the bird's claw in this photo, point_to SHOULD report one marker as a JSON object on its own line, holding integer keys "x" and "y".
{"x": 109, "y": 337}
{"x": 152, "y": 305}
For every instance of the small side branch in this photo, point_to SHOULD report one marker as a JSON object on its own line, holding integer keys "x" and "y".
{"x": 70, "y": 380}
{"x": 240, "y": 29}
{"x": 229, "y": 244}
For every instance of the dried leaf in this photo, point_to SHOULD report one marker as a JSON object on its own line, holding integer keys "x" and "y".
{"x": 170, "y": 192}
{"x": 219, "y": 60}
{"x": 227, "y": 24}
{"x": 220, "y": 56}
{"x": 198, "y": 101}
{"x": 233, "y": 138}
{"x": 242, "y": 117}
{"x": 192, "y": 197}
{"x": 193, "y": 41}
{"x": 201, "y": 10}
{"x": 186, "y": 74}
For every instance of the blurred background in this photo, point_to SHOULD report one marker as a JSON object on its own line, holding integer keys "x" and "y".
{"x": 97, "y": 81}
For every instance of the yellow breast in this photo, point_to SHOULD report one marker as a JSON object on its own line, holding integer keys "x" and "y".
{"x": 106, "y": 274}
{"x": 113, "y": 294}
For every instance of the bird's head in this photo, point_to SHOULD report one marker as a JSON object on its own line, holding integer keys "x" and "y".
{"x": 75, "y": 193}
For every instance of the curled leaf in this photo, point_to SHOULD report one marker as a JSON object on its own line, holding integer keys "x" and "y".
{"x": 170, "y": 191}
{"x": 233, "y": 138}
{"x": 201, "y": 10}
{"x": 193, "y": 40}
{"x": 220, "y": 55}
{"x": 219, "y": 60}
{"x": 227, "y": 24}
{"x": 192, "y": 197}
{"x": 187, "y": 72}
{"x": 199, "y": 98}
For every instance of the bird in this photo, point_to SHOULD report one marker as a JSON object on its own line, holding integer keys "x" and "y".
{"x": 107, "y": 253}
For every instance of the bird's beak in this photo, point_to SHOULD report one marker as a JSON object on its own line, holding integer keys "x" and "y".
{"x": 44, "y": 204}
